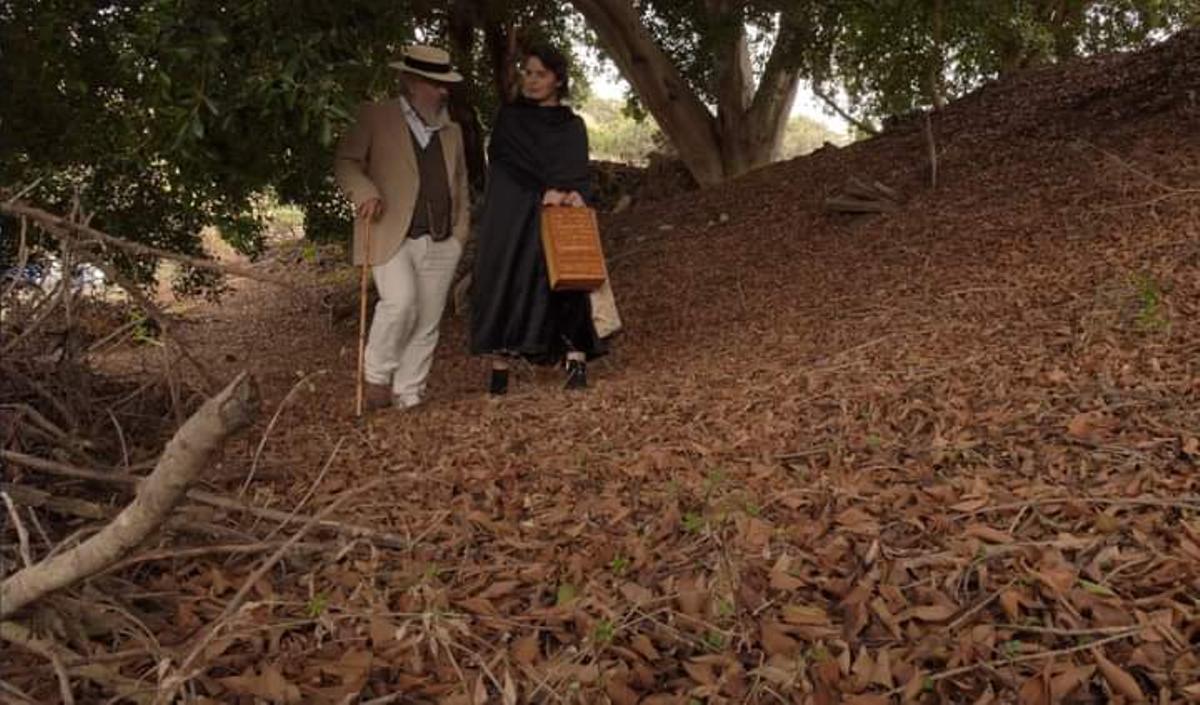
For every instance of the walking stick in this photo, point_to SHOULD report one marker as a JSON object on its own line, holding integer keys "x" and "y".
{"x": 362, "y": 317}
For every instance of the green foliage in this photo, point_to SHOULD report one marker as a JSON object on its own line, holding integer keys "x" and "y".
{"x": 894, "y": 56}
{"x": 170, "y": 115}
{"x": 803, "y": 135}
{"x": 614, "y": 135}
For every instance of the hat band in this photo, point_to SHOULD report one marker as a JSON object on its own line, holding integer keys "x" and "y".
{"x": 430, "y": 66}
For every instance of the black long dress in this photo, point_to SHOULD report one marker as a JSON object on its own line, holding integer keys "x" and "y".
{"x": 513, "y": 311}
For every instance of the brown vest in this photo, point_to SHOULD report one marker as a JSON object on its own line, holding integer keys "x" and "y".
{"x": 431, "y": 214}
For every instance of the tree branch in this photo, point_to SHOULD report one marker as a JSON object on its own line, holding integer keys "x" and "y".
{"x": 860, "y": 124}
{"x": 186, "y": 455}
{"x": 60, "y": 226}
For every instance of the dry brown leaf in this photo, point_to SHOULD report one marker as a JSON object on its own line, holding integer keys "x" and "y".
{"x": 1010, "y": 602}
{"x": 775, "y": 639}
{"x": 1065, "y": 683}
{"x": 1118, "y": 678}
{"x": 989, "y": 534}
{"x": 1060, "y": 580}
{"x": 269, "y": 684}
{"x": 526, "y": 650}
{"x": 693, "y": 598}
{"x": 970, "y": 505}
{"x": 499, "y": 589}
{"x": 509, "y": 693}
{"x": 930, "y": 613}
{"x": 805, "y": 614}
{"x": 642, "y": 644}
{"x": 858, "y": 521}
{"x": 867, "y": 699}
{"x": 880, "y": 608}
{"x": 862, "y": 668}
{"x": 636, "y": 594}
{"x": 1034, "y": 691}
{"x": 785, "y": 582}
{"x": 478, "y": 605}
{"x": 702, "y": 673}
{"x": 882, "y": 674}
{"x": 620, "y": 693}
{"x": 480, "y": 694}
{"x": 914, "y": 687}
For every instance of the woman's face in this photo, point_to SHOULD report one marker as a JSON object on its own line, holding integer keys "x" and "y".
{"x": 539, "y": 83}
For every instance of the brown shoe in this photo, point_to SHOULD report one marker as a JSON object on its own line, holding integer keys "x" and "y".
{"x": 377, "y": 396}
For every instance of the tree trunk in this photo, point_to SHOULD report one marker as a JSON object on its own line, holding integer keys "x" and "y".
{"x": 681, "y": 115}
{"x": 747, "y": 130}
{"x": 464, "y": 17}
{"x": 937, "y": 59}
{"x": 501, "y": 42}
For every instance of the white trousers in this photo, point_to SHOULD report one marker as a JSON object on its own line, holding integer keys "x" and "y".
{"x": 412, "y": 287}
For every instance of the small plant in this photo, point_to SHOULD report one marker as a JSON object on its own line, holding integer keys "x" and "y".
{"x": 714, "y": 641}
{"x": 604, "y": 632}
{"x": 693, "y": 523}
{"x": 715, "y": 479}
{"x": 317, "y": 605}
{"x": 619, "y": 565}
{"x": 725, "y": 607}
{"x": 143, "y": 328}
{"x": 1150, "y": 316}
{"x": 1011, "y": 648}
{"x": 565, "y": 595}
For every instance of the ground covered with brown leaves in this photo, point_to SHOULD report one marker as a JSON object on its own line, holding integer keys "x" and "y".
{"x": 944, "y": 454}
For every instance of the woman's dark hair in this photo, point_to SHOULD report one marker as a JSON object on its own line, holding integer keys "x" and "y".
{"x": 556, "y": 62}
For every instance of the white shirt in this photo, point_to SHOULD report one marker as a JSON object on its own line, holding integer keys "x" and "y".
{"x": 422, "y": 130}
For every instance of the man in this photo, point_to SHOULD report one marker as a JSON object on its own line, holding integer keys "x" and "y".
{"x": 403, "y": 167}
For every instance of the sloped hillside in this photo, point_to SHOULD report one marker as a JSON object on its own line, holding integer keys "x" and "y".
{"x": 947, "y": 453}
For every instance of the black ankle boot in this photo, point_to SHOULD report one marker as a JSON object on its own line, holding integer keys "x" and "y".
{"x": 576, "y": 374}
{"x": 499, "y": 382}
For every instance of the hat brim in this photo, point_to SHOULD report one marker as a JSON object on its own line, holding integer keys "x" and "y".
{"x": 447, "y": 77}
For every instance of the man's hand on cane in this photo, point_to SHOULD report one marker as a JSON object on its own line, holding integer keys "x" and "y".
{"x": 370, "y": 209}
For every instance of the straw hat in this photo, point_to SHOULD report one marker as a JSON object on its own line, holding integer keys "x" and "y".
{"x": 428, "y": 62}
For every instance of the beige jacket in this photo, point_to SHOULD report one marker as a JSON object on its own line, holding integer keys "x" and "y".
{"x": 376, "y": 160}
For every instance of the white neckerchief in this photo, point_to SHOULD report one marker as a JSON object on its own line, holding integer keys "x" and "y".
{"x": 421, "y": 130}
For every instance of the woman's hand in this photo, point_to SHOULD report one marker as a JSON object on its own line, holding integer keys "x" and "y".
{"x": 553, "y": 197}
{"x": 574, "y": 199}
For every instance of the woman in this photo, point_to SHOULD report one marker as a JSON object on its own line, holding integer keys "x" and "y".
{"x": 538, "y": 156}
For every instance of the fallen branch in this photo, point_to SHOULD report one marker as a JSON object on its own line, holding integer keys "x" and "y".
{"x": 381, "y": 538}
{"x": 211, "y": 499}
{"x": 59, "y": 226}
{"x": 33, "y": 497}
{"x": 197, "y": 551}
{"x": 154, "y": 314}
{"x": 22, "y": 533}
{"x": 53, "y": 467}
{"x": 18, "y": 635}
{"x": 187, "y": 454}
{"x": 857, "y": 196}
{"x": 1040, "y": 656}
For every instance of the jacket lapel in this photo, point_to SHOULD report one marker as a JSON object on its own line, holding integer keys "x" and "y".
{"x": 397, "y": 125}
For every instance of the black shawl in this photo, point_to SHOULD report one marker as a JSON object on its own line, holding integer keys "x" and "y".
{"x": 533, "y": 149}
